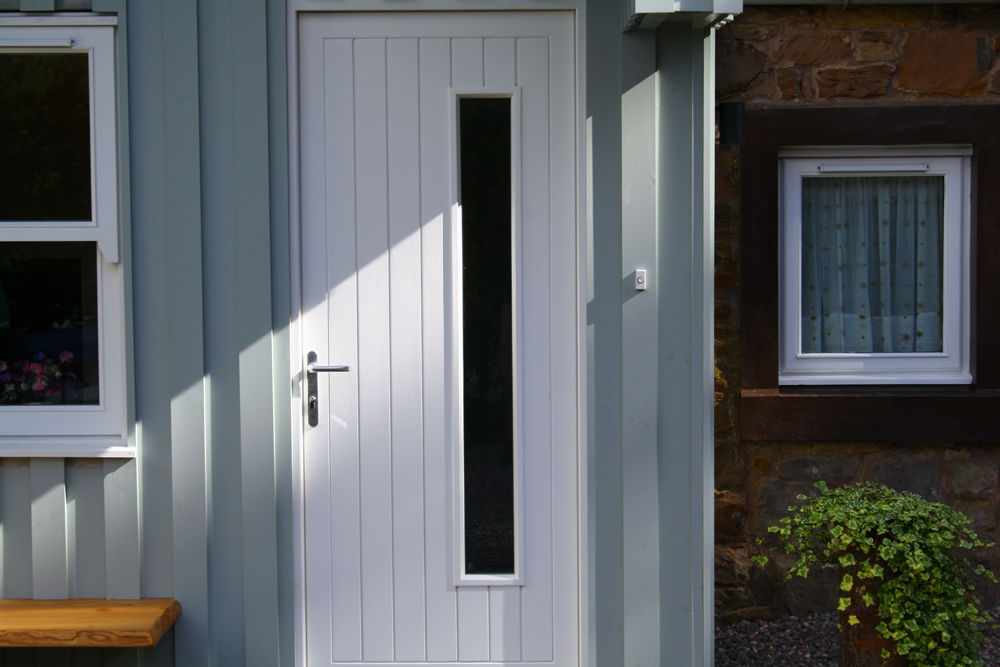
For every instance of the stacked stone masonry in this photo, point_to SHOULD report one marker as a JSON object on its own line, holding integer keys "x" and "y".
{"x": 791, "y": 57}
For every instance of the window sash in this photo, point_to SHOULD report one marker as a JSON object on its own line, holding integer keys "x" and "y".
{"x": 106, "y": 419}
{"x": 951, "y": 364}
{"x": 102, "y": 227}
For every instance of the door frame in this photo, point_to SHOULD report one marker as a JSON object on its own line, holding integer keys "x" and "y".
{"x": 296, "y": 351}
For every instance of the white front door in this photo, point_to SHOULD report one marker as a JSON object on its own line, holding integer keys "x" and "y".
{"x": 441, "y": 472}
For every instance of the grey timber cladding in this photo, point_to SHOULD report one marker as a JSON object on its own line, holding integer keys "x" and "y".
{"x": 649, "y": 403}
{"x": 203, "y": 143}
{"x": 203, "y": 140}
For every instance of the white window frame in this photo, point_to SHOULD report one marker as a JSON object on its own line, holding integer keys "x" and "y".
{"x": 952, "y": 364}
{"x": 461, "y": 577}
{"x": 80, "y": 430}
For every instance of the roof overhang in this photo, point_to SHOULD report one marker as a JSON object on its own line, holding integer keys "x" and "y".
{"x": 646, "y": 14}
{"x": 848, "y": 3}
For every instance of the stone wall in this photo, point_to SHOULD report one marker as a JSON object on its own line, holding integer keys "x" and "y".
{"x": 830, "y": 56}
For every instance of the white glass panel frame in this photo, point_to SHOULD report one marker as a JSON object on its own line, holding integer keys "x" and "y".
{"x": 80, "y": 430}
{"x": 952, "y": 364}
{"x": 98, "y": 42}
{"x": 457, "y": 374}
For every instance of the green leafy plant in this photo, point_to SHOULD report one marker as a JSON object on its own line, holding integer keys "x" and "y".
{"x": 901, "y": 555}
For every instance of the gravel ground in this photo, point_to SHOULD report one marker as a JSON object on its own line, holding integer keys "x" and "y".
{"x": 808, "y": 640}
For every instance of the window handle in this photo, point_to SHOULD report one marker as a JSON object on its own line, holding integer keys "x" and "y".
{"x": 312, "y": 386}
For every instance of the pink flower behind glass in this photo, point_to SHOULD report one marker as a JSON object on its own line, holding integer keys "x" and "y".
{"x": 39, "y": 383}
{"x": 3, "y": 366}
{"x": 65, "y": 356}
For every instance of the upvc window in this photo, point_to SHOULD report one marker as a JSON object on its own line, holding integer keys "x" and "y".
{"x": 62, "y": 334}
{"x": 875, "y": 266}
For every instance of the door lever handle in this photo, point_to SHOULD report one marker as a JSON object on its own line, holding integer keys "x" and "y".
{"x": 312, "y": 386}
{"x": 315, "y": 368}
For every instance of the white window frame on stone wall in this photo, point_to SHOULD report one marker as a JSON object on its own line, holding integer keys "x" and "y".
{"x": 80, "y": 430}
{"x": 949, "y": 366}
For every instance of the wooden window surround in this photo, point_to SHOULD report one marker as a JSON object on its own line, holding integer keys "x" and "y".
{"x": 936, "y": 413}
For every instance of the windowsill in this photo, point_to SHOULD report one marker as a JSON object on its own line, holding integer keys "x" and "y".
{"x": 871, "y": 414}
{"x": 85, "y": 448}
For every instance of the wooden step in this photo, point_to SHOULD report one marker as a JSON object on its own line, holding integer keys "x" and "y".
{"x": 86, "y": 622}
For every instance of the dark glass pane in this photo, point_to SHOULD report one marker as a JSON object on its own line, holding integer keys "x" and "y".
{"x": 44, "y": 137}
{"x": 484, "y": 134}
{"x": 48, "y": 323}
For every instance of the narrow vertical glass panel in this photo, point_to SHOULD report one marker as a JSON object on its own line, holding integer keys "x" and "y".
{"x": 872, "y": 264}
{"x": 48, "y": 323}
{"x": 44, "y": 137}
{"x": 485, "y": 179}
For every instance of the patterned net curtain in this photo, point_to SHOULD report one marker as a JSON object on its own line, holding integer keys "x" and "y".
{"x": 872, "y": 264}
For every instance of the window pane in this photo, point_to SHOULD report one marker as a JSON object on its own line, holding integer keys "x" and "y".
{"x": 484, "y": 133}
{"x": 44, "y": 137}
{"x": 872, "y": 264}
{"x": 48, "y": 323}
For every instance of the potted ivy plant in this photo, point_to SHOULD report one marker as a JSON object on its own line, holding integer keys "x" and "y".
{"x": 906, "y": 595}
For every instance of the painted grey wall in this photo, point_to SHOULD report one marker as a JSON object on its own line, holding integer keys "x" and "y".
{"x": 209, "y": 226}
{"x": 650, "y": 165}
{"x": 685, "y": 415}
{"x": 204, "y": 513}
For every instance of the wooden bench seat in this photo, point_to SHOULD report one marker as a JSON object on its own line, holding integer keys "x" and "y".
{"x": 86, "y": 622}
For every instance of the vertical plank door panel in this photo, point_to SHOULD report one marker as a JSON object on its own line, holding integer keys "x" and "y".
{"x": 467, "y": 62}
{"x": 473, "y": 624}
{"x": 565, "y": 323}
{"x": 499, "y": 63}
{"x": 442, "y": 603}
{"x": 535, "y": 394}
{"x": 406, "y": 344}
{"x": 505, "y": 623}
{"x": 373, "y": 351}
{"x": 338, "y": 394}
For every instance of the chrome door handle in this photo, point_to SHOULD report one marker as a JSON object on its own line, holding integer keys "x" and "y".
{"x": 314, "y": 368}
{"x": 312, "y": 386}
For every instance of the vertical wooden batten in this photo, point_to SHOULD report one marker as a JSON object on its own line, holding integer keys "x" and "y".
{"x": 15, "y": 528}
{"x": 121, "y": 529}
{"x": 277, "y": 126}
{"x": 49, "y": 572}
{"x": 238, "y": 348}
{"x": 85, "y": 507}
